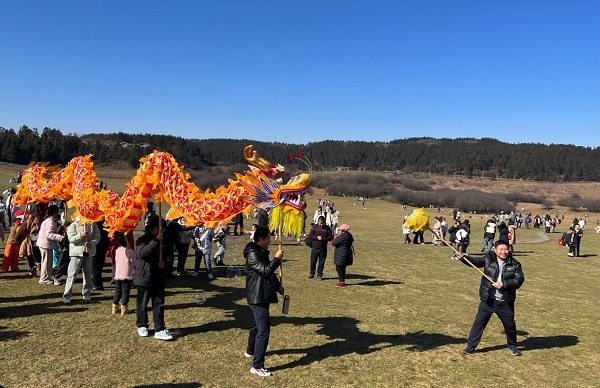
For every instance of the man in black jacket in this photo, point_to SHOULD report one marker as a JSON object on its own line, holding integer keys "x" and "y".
{"x": 498, "y": 297}
{"x": 262, "y": 287}
{"x": 149, "y": 276}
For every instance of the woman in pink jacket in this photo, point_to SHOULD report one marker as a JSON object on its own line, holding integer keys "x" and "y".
{"x": 47, "y": 240}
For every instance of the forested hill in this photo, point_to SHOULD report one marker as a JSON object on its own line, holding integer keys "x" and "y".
{"x": 470, "y": 157}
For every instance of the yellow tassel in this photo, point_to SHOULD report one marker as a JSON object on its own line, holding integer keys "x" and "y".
{"x": 290, "y": 219}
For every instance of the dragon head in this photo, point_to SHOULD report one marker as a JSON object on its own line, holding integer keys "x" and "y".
{"x": 265, "y": 188}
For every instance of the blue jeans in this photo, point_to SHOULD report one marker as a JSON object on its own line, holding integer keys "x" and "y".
{"x": 199, "y": 256}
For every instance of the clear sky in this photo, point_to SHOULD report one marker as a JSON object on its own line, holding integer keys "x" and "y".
{"x": 304, "y": 71}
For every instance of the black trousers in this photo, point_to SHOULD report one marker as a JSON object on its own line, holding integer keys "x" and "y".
{"x": 122, "y": 291}
{"x": 341, "y": 271}
{"x": 504, "y": 311}
{"x": 97, "y": 268}
{"x": 156, "y": 294}
{"x": 182, "y": 254}
{"x": 63, "y": 264}
{"x": 258, "y": 338}
{"x": 317, "y": 256}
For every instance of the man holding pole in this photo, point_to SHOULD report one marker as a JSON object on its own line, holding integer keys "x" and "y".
{"x": 497, "y": 296}
{"x": 149, "y": 276}
{"x": 262, "y": 287}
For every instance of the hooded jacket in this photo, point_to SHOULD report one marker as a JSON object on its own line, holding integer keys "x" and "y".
{"x": 261, "y": 282}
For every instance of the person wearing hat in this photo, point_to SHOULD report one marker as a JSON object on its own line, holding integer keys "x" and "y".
{"x": 497, "y": 297}
{"x": 150, "y": 276}
{"x": 18, "y": 233}
{"x": 343, "y": 255}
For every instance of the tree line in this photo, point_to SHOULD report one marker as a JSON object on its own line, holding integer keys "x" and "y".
{"x": 463, "y": 156}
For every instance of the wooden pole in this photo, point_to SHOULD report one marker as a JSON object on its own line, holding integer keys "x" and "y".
{"x": 455, "y": 251}
{"x": 161, "y": 263}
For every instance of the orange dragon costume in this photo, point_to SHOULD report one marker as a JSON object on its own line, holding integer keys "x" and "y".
{"x": 160, "y": 175}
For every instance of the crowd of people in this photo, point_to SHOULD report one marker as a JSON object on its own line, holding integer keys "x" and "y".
{"x": 56, "y": 248}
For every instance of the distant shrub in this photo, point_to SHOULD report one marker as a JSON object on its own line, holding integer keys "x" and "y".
{"x": 516, "y": 197}
{"x": 415, "y": 185}
{"x": 365, "y": 185}
{"x": 575, "y": 202}
{"x": 466, "y": 200}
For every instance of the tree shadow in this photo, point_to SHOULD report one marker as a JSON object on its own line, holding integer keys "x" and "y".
{"x": 11, "y": 335}
{"x": 19, "y": 299}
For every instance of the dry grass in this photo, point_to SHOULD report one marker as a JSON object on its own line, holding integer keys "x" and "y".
{"x": 402, "y": 321}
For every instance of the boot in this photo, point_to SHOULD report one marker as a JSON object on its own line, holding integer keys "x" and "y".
{"x": 115, "y": 308}
{"x": 33, "y": 272}
{"x": 123, "y": 309}
{"x": 38, "y": 269}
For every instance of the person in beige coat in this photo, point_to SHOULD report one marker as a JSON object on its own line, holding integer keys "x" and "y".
{"x": 83, "y": 237}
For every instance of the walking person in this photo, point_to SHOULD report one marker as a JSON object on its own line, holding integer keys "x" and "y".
{"x": 18, "y": 233}
{"x": 320, "y": 234}
{"x": 203, "y": 238}
{"x": 83, "y": 239}
{"x": 489, "y": 235}
{"x": 46, "y": 241}
{"x": 262, "y": 287}
{"x": 497, "y": 297}
{"x": 575, "y": 240}
{"x": 343, "y": 255}
{"x": 149, "y": 276}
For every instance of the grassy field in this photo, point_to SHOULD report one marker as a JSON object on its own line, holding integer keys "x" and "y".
{"x": 402, "y": 321}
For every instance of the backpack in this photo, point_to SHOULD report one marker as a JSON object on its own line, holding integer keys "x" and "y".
{"x": 308, "y": 241}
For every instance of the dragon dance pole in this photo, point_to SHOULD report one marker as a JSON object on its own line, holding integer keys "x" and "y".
{"x": 161, "y": 263}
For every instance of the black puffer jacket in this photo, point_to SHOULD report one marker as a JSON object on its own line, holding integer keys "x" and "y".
{"x": 261, "y": 282}
{"x": 145, "y": 268}
{"x": 512, "y": 276}
{"x": 343, "y": 255}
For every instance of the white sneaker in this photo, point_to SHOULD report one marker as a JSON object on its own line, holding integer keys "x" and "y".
{"x": 66, "y": 301}
{"x": 58, "y": 282}
{"x": 210, "y": 276}
{"x": 570, "y": 254}
{"x": 195, "y": 273}
{"x": 163, "y": 335}
{"x": 262, "y": 372}
{"x": 143, "y": 331}
{"x": 248, "y": 355}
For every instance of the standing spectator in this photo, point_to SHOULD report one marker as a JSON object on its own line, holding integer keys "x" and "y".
{"x": 99, "y": 258}
{"x": 203, "y": 238}
{"x": 497, "y": 297}
{"x": 263, "y": 218}
{"x": 169, "y": 241}
{"x": 184, "y": 239}
{"x": 83, "y": 239}
{"x": 320, "y": 234}
{"x": 124, "y": 261}
{"x": 18, "y": 233}
{"x": 149, "y": 276}
{"x": 444, "y": 227}
{"x": 219, "y": 239}
{"x": 46, "y": 241}
{"x": 406, "y": 232}
{"x": 462, "y": 237}
{"x": 332, "y": 220}
{"x": 452, "y": 233}
{"x": 9, "y": 193}
{"x": 63, "y": 253}
{"x": 575, "y": 240}
{"x": 343, "y": 255}
{"x": 512, "y": 236}
{"x": 2, "y": 215}
{"x": 503, "y": 232}
{"x": 238, "y": 227}
{"x": 318, "y": 213}
{"x": 262, "y": 287}
{"x": 437, "y": 232}
{"x": 489, "y": 235}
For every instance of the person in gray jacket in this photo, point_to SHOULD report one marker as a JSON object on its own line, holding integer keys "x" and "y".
{"x": 83, "y": 237}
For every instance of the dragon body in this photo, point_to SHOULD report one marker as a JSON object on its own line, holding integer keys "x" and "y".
{"x": 160, "y": 175}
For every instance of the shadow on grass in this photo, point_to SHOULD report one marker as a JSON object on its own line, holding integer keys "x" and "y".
{"x": 534, "y": 343}
{"x": 11, "y": 335}
{"x": 346, "y": 338}
{"x": 170, "y": 385}
{"x": 31, "y": 310}
{"x": 19, "y": 299}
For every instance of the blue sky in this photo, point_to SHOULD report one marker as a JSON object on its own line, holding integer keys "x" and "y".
{"x": 304, "y": 71}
